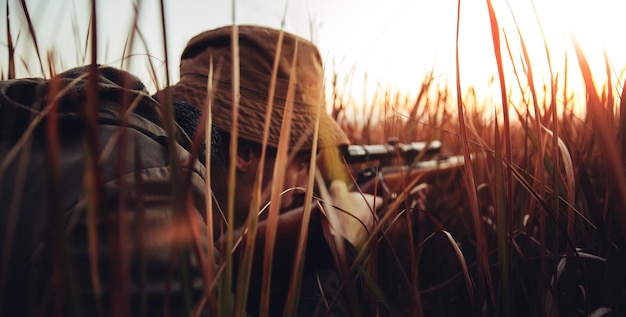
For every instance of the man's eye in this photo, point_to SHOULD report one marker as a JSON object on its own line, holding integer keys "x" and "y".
{"x": 304, "y": 166}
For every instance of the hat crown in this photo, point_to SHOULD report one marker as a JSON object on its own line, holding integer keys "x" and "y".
{"x": 298, "y": 64}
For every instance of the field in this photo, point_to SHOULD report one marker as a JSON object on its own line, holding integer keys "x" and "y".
{"x": 533, "y": 225}
{"x": 537, "y": 216}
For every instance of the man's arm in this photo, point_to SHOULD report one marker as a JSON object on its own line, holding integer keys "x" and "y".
{"x": 285, "y": 247}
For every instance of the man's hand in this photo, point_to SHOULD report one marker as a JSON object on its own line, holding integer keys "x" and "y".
{"x": 354, "y": 212}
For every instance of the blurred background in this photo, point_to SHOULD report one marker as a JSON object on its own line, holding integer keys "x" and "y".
{"x": 368, "y": 46}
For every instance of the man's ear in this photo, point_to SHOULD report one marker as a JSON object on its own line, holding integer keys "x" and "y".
{"x": 246, "y": 158}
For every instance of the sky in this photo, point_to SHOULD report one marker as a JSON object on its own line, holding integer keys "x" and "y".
{"x": 368, "y": 43}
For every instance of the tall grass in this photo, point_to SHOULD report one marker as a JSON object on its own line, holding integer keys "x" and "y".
{"x": 534, "y": 224}
{"x": 548, "y": 191}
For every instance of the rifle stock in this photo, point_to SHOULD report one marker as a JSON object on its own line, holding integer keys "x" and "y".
{"x": 394, "y": 179}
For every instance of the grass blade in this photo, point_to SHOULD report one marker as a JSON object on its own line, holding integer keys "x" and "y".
{"x": 503, "y": 306}
{"x": 31, "y": 29}
{"x": 609, "y": 149}
{"x": 484, "y": 283}
{"x": 278, "y": 179}
{"x": 10, "y": 48}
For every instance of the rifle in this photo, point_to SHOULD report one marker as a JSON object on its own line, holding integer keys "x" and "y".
{"x": 392, "y": 166}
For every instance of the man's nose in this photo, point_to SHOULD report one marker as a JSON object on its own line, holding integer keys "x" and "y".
{"x": 302, "y": 178}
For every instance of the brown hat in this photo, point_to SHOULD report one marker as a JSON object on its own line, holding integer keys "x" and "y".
{"x": 257, "y": 49}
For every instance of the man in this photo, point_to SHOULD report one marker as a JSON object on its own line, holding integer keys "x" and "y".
{"x": 102, "y": 205}
{"x": 211, "y": 51}
{"x": 284, "y": 72}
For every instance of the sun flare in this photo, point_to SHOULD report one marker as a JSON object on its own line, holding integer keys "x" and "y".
{"x": 401, "y": 44}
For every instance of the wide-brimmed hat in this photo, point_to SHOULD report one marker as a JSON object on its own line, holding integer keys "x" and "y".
{"x": 257, "y": 54}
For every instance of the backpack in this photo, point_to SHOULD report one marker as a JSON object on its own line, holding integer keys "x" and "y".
{"x": 87, "y": 210}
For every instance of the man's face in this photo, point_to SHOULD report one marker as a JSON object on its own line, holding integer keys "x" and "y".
{"x": 295, "y": 175}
